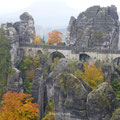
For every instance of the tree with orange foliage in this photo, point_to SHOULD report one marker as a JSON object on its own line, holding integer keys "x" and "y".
{"x": 55, "y": 37}
{"x": 37, "y": 40}
{"x": 18, "y": 106}
{"x": 92, "y": 75}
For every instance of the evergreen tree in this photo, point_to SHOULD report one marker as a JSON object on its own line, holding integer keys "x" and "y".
{"x": 5, "y": 61}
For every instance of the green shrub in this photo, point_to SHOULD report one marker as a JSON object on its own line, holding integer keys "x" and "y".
{"x": 27, "y": 85}
{"x": 116, "y": 87}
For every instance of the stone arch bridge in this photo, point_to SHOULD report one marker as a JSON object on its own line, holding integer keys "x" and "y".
{"x": 85, "y": 54}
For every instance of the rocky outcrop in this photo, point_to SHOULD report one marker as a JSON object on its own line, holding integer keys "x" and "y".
{"x": 26, "y": 28}
{"x": 96, "y": 27}
{"x": 38, "y": 91}
{"x": 50, "y": 86}
{"x": 70, "y": 98}
{"x": 14, "y": 42}
{"x": 19, "y": 32}
{"x": 73, "y": 98}
{"x": 101, "y": 102}
{"x": 107, "y": 71}
{"x": 62, "y": 66}
{"x": 15, "y": 82}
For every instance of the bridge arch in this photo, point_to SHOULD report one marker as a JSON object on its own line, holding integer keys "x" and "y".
{"x": 55, "y": 54}
{"x": 39, "y": 52}
{"x": 116, "y": 61}
{"x": 30, "y": 52}
{"x": 84, "y": 57}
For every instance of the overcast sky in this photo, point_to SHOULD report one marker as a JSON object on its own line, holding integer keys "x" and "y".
{"x": 8, "y": 6}
{"x": 46, "y": 8}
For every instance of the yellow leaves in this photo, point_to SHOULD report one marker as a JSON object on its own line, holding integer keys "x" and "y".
{"x": 55, "y": 37}
{"x": 18, "y": 106}
{"x": 36, "y": 62}
{"x": 37, "y": 40}
{"x": 92, "y": 75}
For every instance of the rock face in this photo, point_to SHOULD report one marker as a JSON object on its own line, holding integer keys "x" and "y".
{"x": 14, "y": 42}
{"x": 39, "y": 90}
{"x": 96, "y": 27}
{"x": 19, "y": 32}
{"x": 63, "y": 65}
{"x": 15, "y": 82}
{"x": 26, "y": 28}
{"x": 70, "y": 98}
{"x": 73, "y": 97}
{"x": 101, "y": 102}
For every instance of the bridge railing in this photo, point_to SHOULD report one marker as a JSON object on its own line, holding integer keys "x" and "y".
{"x": 62, "y": 47}
{"x": 104, "y": 51}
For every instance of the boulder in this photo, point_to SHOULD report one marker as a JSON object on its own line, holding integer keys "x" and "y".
{"x": 69, "y": 98}
{"x": 101, "y": 102}
{"x": 26, "y": 16}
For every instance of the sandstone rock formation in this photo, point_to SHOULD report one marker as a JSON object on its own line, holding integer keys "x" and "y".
{"x": 14, "y": 42}
{"x": 73, "y": 97}
{"x": 15, "y": 82}
{"x": 101, "y": 102}
{"x": 19, "y": 32}
{"x": 26, "y": 28}
{"x": 38, "y": 91}
{"x": 62, "y": 66}
{"x": 70, "y": 98}
{"x": 96, "y": 27}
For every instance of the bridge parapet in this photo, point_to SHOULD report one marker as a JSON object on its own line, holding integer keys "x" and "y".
{"x": 68, "y": 52}
{"x": 104, "y": 51}
{"x": 62, "y": 47}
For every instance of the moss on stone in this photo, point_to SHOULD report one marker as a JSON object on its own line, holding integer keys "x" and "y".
{"x": 116, "y": 115}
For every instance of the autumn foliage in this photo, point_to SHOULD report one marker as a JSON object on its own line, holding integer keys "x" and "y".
{"x": 92, "y": 75}
{"x": 30, "y": 75}
{"x": 18, "y": 106}
{"x": 37, "y": 40}
{"x": 55, "y": 37}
